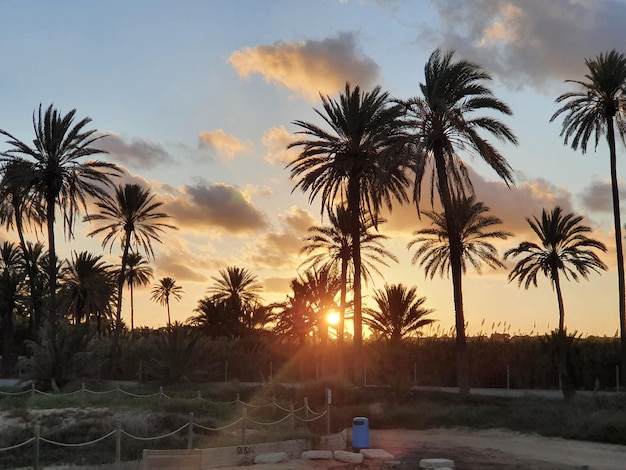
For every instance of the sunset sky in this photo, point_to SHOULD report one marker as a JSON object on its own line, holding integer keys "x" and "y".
{"x": 198, "y": 99}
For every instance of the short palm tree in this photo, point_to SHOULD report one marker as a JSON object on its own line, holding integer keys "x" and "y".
{"x": 400, "y": 312}
{"x": 131, "y": 216}
{"x": 352, "y": 162}
{"x": 215, "y": 319}
{"x": 138, "y": 273}
{"x": 12, "y": 275}
{"x": 163, "y": 290}
{"x": 594, "y": 110}
{"x": 56, "y": 176}
{"x": 295, "y": 316}
{"x": 445, "y": 120}
{"x": 563, "y": 247}
{"x": 330, "y": 246}
{"x": 87, "y": 288}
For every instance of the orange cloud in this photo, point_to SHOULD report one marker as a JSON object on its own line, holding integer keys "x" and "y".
{"x": 309, "y": 68}
{"x": 225, "y": 146}
{"x": 276, "y": 141}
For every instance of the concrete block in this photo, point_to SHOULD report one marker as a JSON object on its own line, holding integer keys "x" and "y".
{"x": 349, "y": 457}
{"x": 317, "y": 454}
{"x": 274, "y": 457}
{"x": 376, "y": 454}
{"x": 436, "y": 463}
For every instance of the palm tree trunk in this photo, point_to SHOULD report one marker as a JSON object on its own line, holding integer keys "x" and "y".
{"x": 52, "y": 272}
{"x": 559, "y": 298}
{"x": 120, "y": 283}
{"x": 462, "y": 360}
{"x": 132, "y": 308}
{"x": 354, "y": 207}
{"x": 169, "y": 321}
{"x": 567, "y": 387}
{"x": 610, "y": 135}
{"x": 342, "y": 302}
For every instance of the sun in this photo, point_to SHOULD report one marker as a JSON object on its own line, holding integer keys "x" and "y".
{"x": 332, "y": 317}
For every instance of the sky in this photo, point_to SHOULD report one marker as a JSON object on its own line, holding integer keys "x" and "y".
{"x": 198, "y": 99}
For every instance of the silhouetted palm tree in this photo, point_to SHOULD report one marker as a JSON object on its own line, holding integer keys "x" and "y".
{"x": 56, "y": 177}
{"x": 12, "y": 277}
{"x": 400, "y": 312}
{"x": 564, "y": 247}
{"x": 163, "y": 290}
{"x": 593, "y": 110}
{"x": 132, "y": 217}
{"x": 87, "y": 288}
{"x": 138, "y": 273}
{"x": 445, "y": 122}
{"x": 215, "y": 319}
{"x": 238, "y": 288}
{"x": 295, "y": 316}
{"x": 331, "y": 246}
{"x": 352, "y": 163}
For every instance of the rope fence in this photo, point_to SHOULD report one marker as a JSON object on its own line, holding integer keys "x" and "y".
{"x": 244, "y": 422}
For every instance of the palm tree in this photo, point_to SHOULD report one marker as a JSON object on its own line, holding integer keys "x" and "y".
{"x": 400, "y": 312}
{"x": 353, "y": 163}
{"x": 132, "y": 217}
{"x": 321, "y": 288}
{"x": 56, "y": 177}
{"x": 215, "y": 319}
{"x": 238, "y": 288}
{"x": 444, "y": 122}
{"x": 331, "y": 246}
{"x": 138, "y": 274}
{"x": 11, "y": 283}
{"x": 564, "y": 247}
{"x": 87, "y": 288}
{"x": 594, "y": 109}
{"x": 295, "y": 316}
{"x": 163, "y": 290}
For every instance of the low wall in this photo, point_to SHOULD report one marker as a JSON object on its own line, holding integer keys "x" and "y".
{"x": 201, "y": 459}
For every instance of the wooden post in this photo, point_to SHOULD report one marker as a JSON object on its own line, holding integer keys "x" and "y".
{"x": 243, "y": 426}
{"x": 32, "y": 389}
{"x": 118, "y": 445}
{"x": 292, "y": 420}
{"x": 328, "y": 402}
{"x": 306, "y": 407}
{"x": 36, "y": 448}
{"x": 190, "y": 432}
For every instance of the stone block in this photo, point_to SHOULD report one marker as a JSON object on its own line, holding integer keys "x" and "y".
{"x": 440, "y": 464}
{"x": 376, "y": 454}
{"x": 317, "y": 454}
{"x": 348, "y": 457}
{"x": 274, "y": 457}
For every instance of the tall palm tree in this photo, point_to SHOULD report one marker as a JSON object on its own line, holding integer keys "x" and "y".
{"x": 295, "y": 316}
{"x": 56, "y": 176}
{"x": 331, "y": 246}
{"x": 352, "y": 163}
{"x": 132, "y": 217}
{"x": 594, "y": 109}
{"x": 87, "y": 288}
{"x": 138, "y": 274}
{"x": 163, "y": 290}
{"x": 238, "y": 288}
{"x": 444, "y": 120}
{"x": 564, "y": 248}
{"x": 400, "y": 312}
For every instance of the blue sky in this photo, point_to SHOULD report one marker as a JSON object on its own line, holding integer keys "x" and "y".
{"x": 198, "y": 99}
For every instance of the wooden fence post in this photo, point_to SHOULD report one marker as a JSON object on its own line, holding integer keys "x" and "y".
{"x": 36, "y": 449}
{"x": 243, "y": 426}
{"x": 118, "y": 444}
{"x": 292, "y": 421}
{"x": 190, "y": 432}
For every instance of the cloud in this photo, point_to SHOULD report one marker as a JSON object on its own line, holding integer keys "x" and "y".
{"x": 597, "y": 197}
{"x": 277, "y": 285}
{"x": 310, "y": 67}
{"x": 298, "y": 219}
{"x": 138, "y": 153}
{"x": 529, "y": 42}
{"x": 225, "y": 146}
{"x": 275, "y": 250}
{"x": 215, "y": 207}
{"x": 276, "y": 141}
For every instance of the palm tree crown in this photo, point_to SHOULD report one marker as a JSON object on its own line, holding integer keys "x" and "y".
{"x": 238, "y": 287}
{"x": 433, "y": 252}
{"x": 56, "y": 176}
{"x": 353, "y": 163}
{"x": 400, "y": 312}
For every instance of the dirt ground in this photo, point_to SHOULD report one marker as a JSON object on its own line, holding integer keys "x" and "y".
{"x": 478, "y": 450}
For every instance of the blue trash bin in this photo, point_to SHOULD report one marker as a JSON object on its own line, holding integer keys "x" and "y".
{"x": 360, "y": 434}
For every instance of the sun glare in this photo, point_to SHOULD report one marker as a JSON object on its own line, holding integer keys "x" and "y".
{"x": 332, "y": 317}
